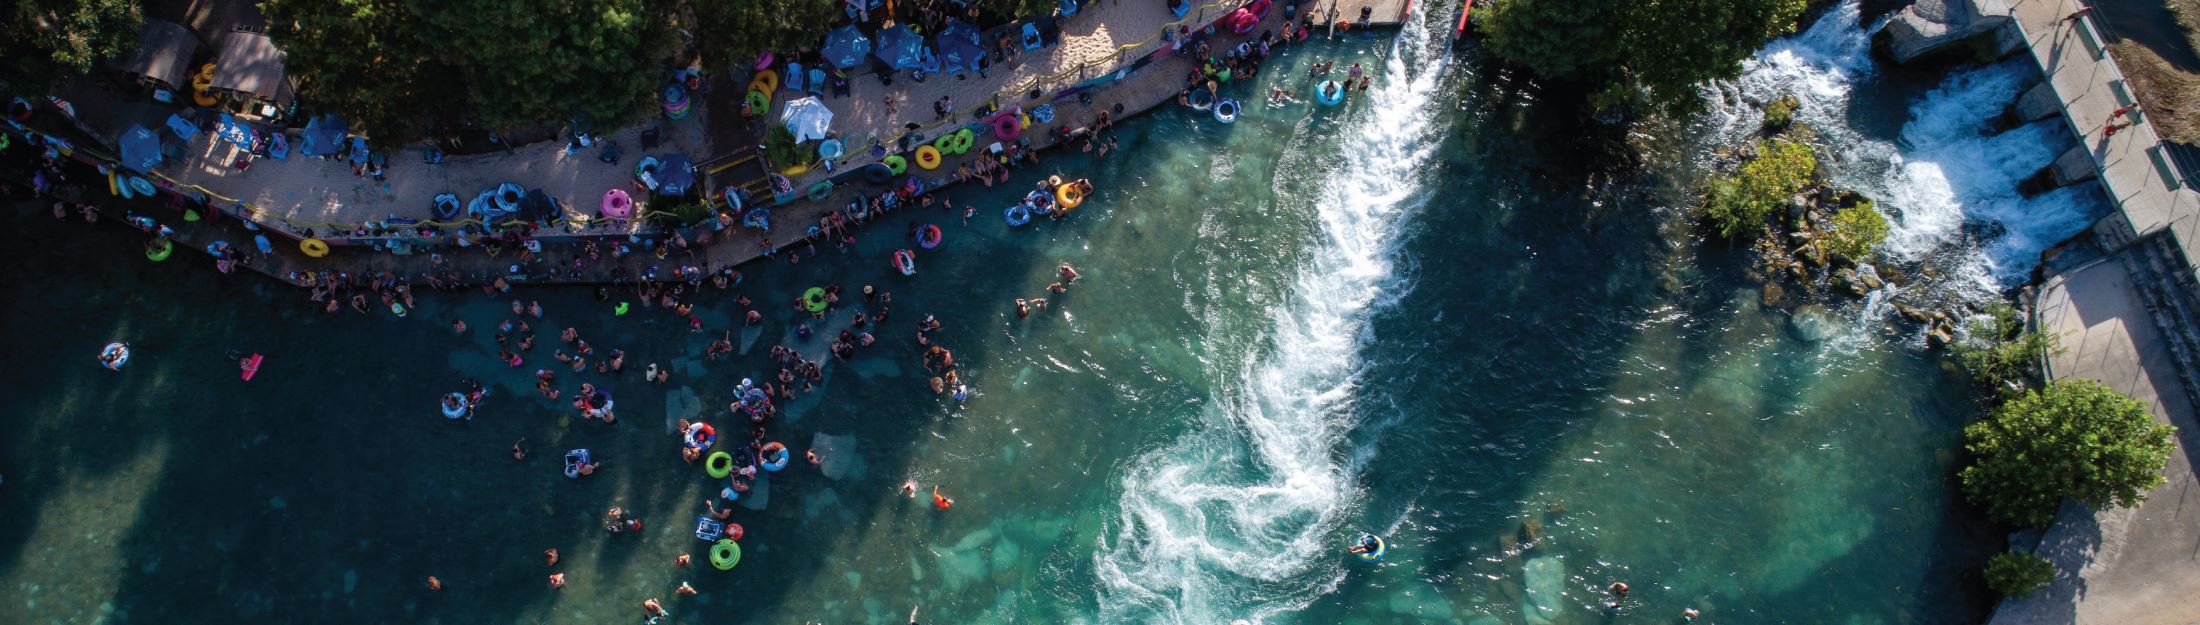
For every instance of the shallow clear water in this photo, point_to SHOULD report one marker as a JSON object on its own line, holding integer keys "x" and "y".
{"x": 1398, "y": 318}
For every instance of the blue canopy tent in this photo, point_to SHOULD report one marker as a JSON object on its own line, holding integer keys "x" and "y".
{"x": 676, "y": 176}
{"x": 140, "y": 148}
{"x": 324, "y": 135}
{"x": 236, "y": 132}
{"x": 845, "y": 47}
{"x": 960, "y": 51}
{"x": 900, "y": 47}
{"x": 958, "y": 30}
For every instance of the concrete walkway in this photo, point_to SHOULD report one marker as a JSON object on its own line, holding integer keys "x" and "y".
{"x": 2138, "y": 566}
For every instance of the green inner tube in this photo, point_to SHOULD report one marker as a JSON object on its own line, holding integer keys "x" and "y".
{"x": 964, "y": 139}
{"x": 758, "y": 102}
{"x": 724, "y": 554}
{"x": 160, "y": 253}
{"x": 945, "y": 144}
{"x": 896, "y": 163}
{"x": 814, "y": 299}
{"x": 718, "y": 465}
{"x": 820, "y": 190}
{"x": 620, "y": 310}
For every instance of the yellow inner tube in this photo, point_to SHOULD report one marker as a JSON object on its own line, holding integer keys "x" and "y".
{"x": 768, "y": 79}
{"x": 314, "y": 247}
{"x": 928, "y": 157}
{"x": 1068, "y": 195}
{"x": 718, "y": 465}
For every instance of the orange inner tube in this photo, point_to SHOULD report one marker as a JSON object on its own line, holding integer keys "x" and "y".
{"x": 1068, "y": 195}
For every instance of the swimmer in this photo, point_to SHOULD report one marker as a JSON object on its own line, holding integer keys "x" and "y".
{"x": 685, "y": 590}
{"x": 715, "y": 512}
{"x": 1069, "y": 274}
{"x": 551, "y": 555}
{"x": 910, "y": 488}
{"x": 557, "y": 580}
{"x": 812, "y": 456}
{"x": 1023, "y": 310}
{"x": 680, "y": 561}
{"x": 941, "y": 501}
{"x": 535, "y": 309}
{"x": 1368, "y": 544}
{"x": 1619, "y": 593}
{"x": 458, "y": 326}
{"x": 434, "y": 584}
{"x": 521, "y": 454}
{"x": 1689, "y": 615}
{"x": 518, "y": 308}
{"x": 653, "y": 608}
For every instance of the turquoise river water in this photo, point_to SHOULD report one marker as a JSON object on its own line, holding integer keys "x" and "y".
{"x": 1416, "y": 315}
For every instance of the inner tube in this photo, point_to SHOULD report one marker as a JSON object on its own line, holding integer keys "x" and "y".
{"x": 758, "y": 102}
{"x": 768, "y": 79}
{"x": 313, "y": 247}
{"x": 718, "y": 465}
{"x": 114, "y": 356}
{"x": 508, "y": 196}
{"x": 143, "y": 187}
{"x": 701, "y": 436}
{"x": 929, "y": 237}
{"x": 1329, "y": 93}
{"x": 1226, "y": 111}
{"x": 459, "y": 410}
{"x": 160, "y": 252}
{"x": 573, "y": 461}
{"x": 895, "y": 163}
{"x": 1380, "y": 547}
{"x": 829, "y": 149}
{"x": 1069, "y": 196}
{"x": 1043, "y": 113}
{"x": 906, "y": 262}
{"x": 878, "y": 173}
{"x": 814, "y": 299}
{"x": 724, "y": 554}
{"x": 1202, "y": 99}
{"x": 1006, "y": 127}
{"x": 775, "y": 456}
{"x": 964, "y": 139}
{"x": 446, "y": 207}
{"x": 1018, "y": 215}
{"x": 928, "y": 157}
{"x": 820, "y": 190}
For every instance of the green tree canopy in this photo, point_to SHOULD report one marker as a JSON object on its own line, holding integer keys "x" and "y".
{"x": 393, "y": 65}
{"x": 733, "y": 32}
{"x": 1741, "y": 202}
{"x": 2018, "y": 574}
{"x": 44, "y": 41}
{"x": 1856, "y": 231}
{"x": 1663, "y": 47}
{"x": 2075, "y": 439}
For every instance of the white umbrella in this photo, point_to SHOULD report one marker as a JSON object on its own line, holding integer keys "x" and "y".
{"x": 807, "y": 118}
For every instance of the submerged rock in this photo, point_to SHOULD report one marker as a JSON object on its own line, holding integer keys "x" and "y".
{"x": 1545, "y": 580}
{"x": 1811, "y": 323}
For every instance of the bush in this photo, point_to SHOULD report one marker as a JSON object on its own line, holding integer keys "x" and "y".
{"x": 2075, "y": 439}
{"x": 781, "y": 150}
{"x": 2017, "y": 574}
{"x": 1741, "y": 202}
{"x": 1855, "y": 232}
{"x": 1781, "y": 112}
{"x": 2000, "y": 354}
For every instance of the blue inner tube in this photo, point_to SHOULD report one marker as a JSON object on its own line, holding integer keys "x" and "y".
{"x": 1018, "y": 215}
{"x": 1043, "y": 113}
{"x": 573, "y": 461}
{"x": 878, "y": 173}
{"x": 508, "y": 197}
{"x": 454, "y": 412}
{"x": 1202, "y": 99}
{"x": 929, "y": 237}
{"x": 446, "y": 207}
{"x": 776, "y": 461}
{"x": 906, "y": 262}
{"x": 1226, "y": 111}
{"x": 1377, "y": 554}
{"x": 1329, "y": 93}
{"x": 117, "y": 351}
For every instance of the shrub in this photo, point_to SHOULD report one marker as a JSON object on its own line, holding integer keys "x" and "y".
{"x": 2075, "y": 439}
{"x": 1855, "y": 232}
{"x": 781, "y": 150}
{"x": 1765, "y": 183}
{"x": 1781, "y": 112}
{"x": 2017, "y": 574}
{"x": 2000, "y": 354}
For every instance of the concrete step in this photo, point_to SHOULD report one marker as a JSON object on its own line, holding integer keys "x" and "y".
{"x": 2172, "y": 298}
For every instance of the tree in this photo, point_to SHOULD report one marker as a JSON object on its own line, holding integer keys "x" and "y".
{"x": 733, "y": 32}
{"x": 2000, "y": 354}
{"x": 1658, "y": 50}
{"x": 2014, "y": 574}
{"x": 394, "y": 65}
{"x": 1855, "y": 232}
{"x": 44, "y": 41}
{"x": 2075, "y": 439}
{"x": 1766, "y": 182}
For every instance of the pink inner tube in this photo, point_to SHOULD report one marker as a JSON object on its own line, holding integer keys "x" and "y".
{"x": 617, "y": 205}
{"x": 1007, "y": 127}
{"x": 764, "y": 60}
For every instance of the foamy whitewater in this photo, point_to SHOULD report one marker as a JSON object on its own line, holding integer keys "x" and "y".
{"x": 1949, "y": 189}
{"x": 1239, "y": 518}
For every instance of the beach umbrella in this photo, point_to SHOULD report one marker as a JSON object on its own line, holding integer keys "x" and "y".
{"x": 900, "y": 47}
{"x": 958, "y": 30}
{"x": 183, "y": 128}
{"x": 323, "y": 135}
{"x": 235, "y": 132}
{"x": 845, "y": 46}
{"x": 358, "y": 151}
{"x": 140, "y": 148}
{"x": 807, "y": 118}
{"x": 959, "y": 55}
{"x": 678, "y": 172}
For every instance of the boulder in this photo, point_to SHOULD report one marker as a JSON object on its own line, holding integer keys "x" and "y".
{"x": 1912, "y": 313}
{"x": 1930, "y": 25}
